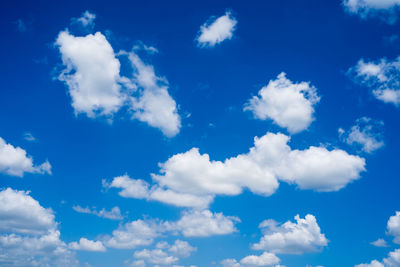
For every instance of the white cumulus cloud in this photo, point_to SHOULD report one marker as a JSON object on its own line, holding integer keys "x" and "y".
{"x": 393, "y": 260}
{"x": 15, "y": 161}
{"x": 385, "y": 9}
{"x": 289, "y": 105}
{"x": 92, "y": 75}
{"x": 366, "y": 133}
{"x": 87, "y": 245}
{"x": 164, "y": 253}
{"x": 379, "y": 243}
{"x": 382, "y": 76}
{"x": 298, "y": 237}
{"x": 132, "y": 234}
{"x": 203, "y": 223}
{"x": 217, "y": 30}
{"x": 393, "y": 227}
{"x": 192, "y": 179}
{"x": 29, "y": 234}
{"x": 265, "y": 259}
{"x": 154, "y": 105}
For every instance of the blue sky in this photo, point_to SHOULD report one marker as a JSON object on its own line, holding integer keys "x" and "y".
{"x": 217, "y": 133}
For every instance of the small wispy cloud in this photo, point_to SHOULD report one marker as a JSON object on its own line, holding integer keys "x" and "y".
{"x": 113, "y": 214}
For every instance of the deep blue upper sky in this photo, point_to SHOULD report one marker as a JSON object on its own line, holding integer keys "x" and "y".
{"x": 310, "y": 40}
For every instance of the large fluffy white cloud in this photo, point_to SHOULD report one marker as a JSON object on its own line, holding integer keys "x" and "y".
{"x": 87, "y": 245}
{"x": 382, "y": 76}
{"x": 29, "y": 234}
{"x": 191, "y": 179}
{"x": 366, "y": 133}
{"x": 393, "y": 227}
{"x": 92, "y": 75}
{"x": 217, "y": 30}
{"x": 386, "y": 9}
{"x": 298, "y": 237}
{"x": 15, "y": 161}
{"x": 290, "y": 105}
{"x": 20, "y": 213}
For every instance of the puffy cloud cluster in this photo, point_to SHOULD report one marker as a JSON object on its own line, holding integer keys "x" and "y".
{"x": 392, "y": 260}
{"x": 191, "y": 179}
{"x": 92, "y": 75}
{"x": 384, "y": 9}
{"x": 289, "y": 105}
{"x": 87, "y": 245}
{"x": 217, "y": 30}
{"x": 86, "y": 20}
{"x": 265, "y": 259}
{"x": 203, "y": 223}
{"x": 15, "y": 161}
{"x": 113, "y": 214}
{"x": 393, "y": 227}
{"x": 154, "y": 105}
{"x": 133, "y": 234}
{"x": 163, "y": 254}
{"x": 366, "y": 133}
{"x": 193, "y": 223}
{"x": 382, "y": 76}
{"x": 298, "y": 237}
{"x": 29, "y": 234}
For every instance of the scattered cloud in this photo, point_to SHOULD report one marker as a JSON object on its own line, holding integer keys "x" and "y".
{"x": 163, "y": 254}
{"x": 393, "y": 227}
{"x": 29, "y": 137}
{"x": 366, "y": 133}
{"x": 393, "y": 260}
{"x": 21, "y": 25}
{"x": 86, "y": 20}
{"x": 265, "y": 259}
{"x": 379, "y": 243}
{"x": 87, "y": 245}
{"x": 15, "y": 161}
{"x": 382, "y": 76}
{"x": 289, "y": 105}
{"x": 298, "y": 237}
{"x": 384, "y": 9}
{"x": 29, "y": 234}
{"x": 113, "y": 214}
{"x": 216, "y": 30}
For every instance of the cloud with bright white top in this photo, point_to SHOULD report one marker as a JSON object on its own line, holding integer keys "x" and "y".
{"x": 216, "y": 30}
{"x": 15, "y": 161}
{"x": 289, "y": 105}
